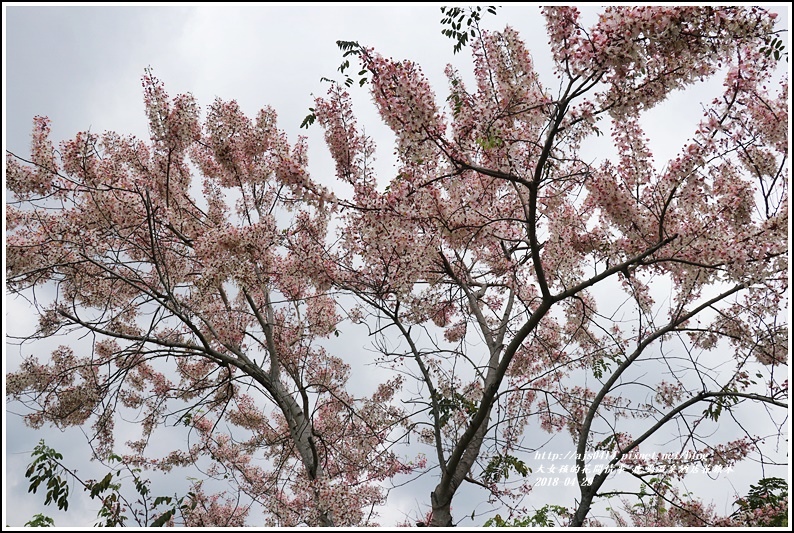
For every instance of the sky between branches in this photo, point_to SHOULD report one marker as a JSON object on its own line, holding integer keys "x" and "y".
{"x": 81, "y": 66}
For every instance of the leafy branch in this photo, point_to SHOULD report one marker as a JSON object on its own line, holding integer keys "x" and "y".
{"x": 453, "y": 20}
{"x": 775, "y": 48}
{"x": 348, "y": 48}
{"x": 500, "y": 466}
{"x": 47, "y": 469}
{"x": 543, "y": 517}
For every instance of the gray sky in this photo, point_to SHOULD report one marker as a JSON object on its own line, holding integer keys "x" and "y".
{"x": 81, "y": 67}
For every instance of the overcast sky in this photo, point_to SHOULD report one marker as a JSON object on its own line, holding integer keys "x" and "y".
{"x": 81, "y": 67}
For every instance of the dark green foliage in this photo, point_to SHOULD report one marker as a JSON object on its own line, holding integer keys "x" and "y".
{"x": 453, "y": 17}
{"x": 348, "y": 48}
{"x": 177, "y": 504}
{"x": 770, "y": 491}
{"x": 500, "y": 466}
{"x": 448, "y": 405}
{"x": 714, "y": 410}
{"x": 454, "y": 27}
{"x": 351, "y": 48}
{"x": 775, "y": 48}
{"x": 46, "y": 468}
{"x": 543, "y": 517}
{"x": 40, "y": 520}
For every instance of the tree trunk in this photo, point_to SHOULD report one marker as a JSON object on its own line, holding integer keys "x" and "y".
{"x": 441, "y": 497}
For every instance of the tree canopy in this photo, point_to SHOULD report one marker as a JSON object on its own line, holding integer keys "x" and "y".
{"x": 513, "y": 287}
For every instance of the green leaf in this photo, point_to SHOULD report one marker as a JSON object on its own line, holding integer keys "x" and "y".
{"x": 499, "y": 468}
{"x": 163, "y": 519}
{"x": 102, "y": 486}
{"x": 40, "y": 520}
{"x": 162, "y": 499}
{"x": 307, "y": 121}
{"x": 453, "y": 22}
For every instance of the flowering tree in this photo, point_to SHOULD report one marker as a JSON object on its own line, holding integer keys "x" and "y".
{"x": 515, "y": 283}
{"x": 200, "y": 307}
{"x": 766, "y": 505}
{"x": 499, "y": 230}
